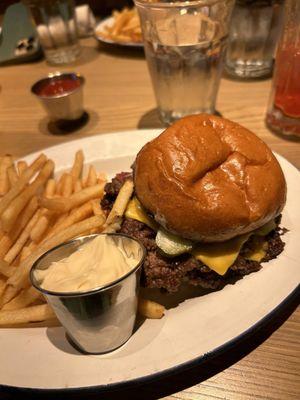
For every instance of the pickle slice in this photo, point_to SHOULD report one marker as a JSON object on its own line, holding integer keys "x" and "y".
{"x": 172, "y": 245}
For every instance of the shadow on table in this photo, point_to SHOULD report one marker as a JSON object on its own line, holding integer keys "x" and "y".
{"x": 150, "y": 120}
{"x": 119, "y": 51}
{"x": 175, "y": 381}
{"x": 84, "y": 124}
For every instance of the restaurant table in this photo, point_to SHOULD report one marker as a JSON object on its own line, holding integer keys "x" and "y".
{"x": 118, "y": 96}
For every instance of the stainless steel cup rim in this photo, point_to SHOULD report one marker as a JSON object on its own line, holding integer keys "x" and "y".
{"x": 91, "y": 291}
{"x": 170, "y": 4}
{"x": 57, "y": 75}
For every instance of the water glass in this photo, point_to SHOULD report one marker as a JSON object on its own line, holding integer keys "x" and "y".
{"x": 253, "y": 35}
{"x": 283, "y": 115}
{"x": 55, "y": 21}
{"x": 184, "y": 43}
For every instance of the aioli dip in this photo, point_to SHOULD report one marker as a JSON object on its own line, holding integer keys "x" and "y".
{"x": 99, "y": 262}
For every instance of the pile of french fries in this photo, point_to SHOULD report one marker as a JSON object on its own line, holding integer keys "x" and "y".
{"x": 125, "y": 28}
{"x": 39, "y": 212}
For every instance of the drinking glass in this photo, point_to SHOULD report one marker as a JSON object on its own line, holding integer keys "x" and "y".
{"x": 55, "y": 21}
{"x": 253, "y": 35}
{"x": 283, "y": 113}
{"x": 184, "y": 43}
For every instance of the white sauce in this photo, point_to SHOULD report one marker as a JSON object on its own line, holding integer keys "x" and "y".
{"x": 99, "y": 262}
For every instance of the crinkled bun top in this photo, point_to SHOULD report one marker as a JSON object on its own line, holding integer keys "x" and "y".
{"x": 209, "y": 179}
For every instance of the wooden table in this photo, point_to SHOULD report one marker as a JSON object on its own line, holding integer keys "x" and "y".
{"x": 118, "y": 96}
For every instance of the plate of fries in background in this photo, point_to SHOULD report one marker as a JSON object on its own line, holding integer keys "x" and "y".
{"x": 49, "y": 198}
{"x": 122, "y": 28}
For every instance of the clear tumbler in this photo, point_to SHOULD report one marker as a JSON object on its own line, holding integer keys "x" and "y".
{"x": 55, "y": 21}
{"x": 283, "y": 115}
{"x": 184, "y": 44}
{"x": 253, "y": 35}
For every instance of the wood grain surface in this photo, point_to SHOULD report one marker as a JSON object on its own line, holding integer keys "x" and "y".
{"x": 118, "y": 96}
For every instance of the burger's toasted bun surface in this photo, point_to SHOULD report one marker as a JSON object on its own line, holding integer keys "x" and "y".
{"x": 209, "y": 179}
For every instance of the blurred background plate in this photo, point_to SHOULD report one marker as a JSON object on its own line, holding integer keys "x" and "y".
{"x": 100, "y": 28}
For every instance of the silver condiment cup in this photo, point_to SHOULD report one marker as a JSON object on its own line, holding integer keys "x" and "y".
{"x": 66, "y": 106}
{"x": 102, "y": 319}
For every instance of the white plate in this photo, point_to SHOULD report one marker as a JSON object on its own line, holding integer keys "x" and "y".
{"x": 107, "y": 22}
{"x": 42, "y": 358}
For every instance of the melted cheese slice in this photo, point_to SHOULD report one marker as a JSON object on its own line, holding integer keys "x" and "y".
{"x": 220, "y": 256}
{"x": 136, "y": 211}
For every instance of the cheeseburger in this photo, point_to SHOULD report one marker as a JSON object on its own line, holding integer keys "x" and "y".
{"x": 208, "y": 194}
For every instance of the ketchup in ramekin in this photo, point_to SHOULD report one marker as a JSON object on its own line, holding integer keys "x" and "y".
{"x": 61, "y": 95}
{"x": 58, "y": 86}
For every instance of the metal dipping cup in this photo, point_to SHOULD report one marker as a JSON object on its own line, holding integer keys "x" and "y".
{"x": 102, "y": 319}
{"x": 65, "y": 106}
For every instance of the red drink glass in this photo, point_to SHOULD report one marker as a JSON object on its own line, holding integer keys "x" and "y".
{"x": 283, "y": 115}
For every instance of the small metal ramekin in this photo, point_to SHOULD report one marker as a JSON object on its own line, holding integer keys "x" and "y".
{"x": 99, "y": 320}
{"x": 64, "y": 106}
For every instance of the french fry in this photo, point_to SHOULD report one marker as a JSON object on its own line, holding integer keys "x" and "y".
{"x": 8, "y": 239}
{"x": 5, "y": 163}
{"x": 20, "y": 278}
{"x": 40, "y": 227}
{"x": 5, "y": 244}
{"x": 9, "y": 293}
{"x": 62, "y": 205}
{"x": 97, "y": 210}
{"x": 58, "y": 221}
{"x": 29, "y": 314}
{"x": 77, "y": 215}
{"x": 26, "y": 251}
{"x": 18, "y": 246}
{"x": 150, "y": 309}
{"x": 2, "y": 286}
{"x": 78, "y": 186}
{"x": 84, "y": 182}
{"x": 67, "y": 188}
{"x": 120, "y": 205}
{"x": 92, "y": 176}
{"x": 60, "y": 184}
{"x": 76, "y": 170}
{"x": 23, "y": 299}
{"x": 50, "y": 188}
{"x": 12, "y": 175}
{"x": 22, "y": 182}
{"x": 21, "y": 166}
{"x": 102, "y": 177}
{"x": 6, "y": 269}
{"x": 11, "y": 213}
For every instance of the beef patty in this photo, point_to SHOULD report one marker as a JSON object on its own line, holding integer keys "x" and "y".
{"x": 167, "y": 273}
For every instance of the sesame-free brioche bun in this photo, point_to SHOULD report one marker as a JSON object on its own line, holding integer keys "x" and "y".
{"x": 209, "y": 179}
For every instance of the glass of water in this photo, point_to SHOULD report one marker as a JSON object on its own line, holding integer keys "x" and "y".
{"x": 184, "y": 44}
{"x": 55, "y": 21}
{"x": 253, "y": 35}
